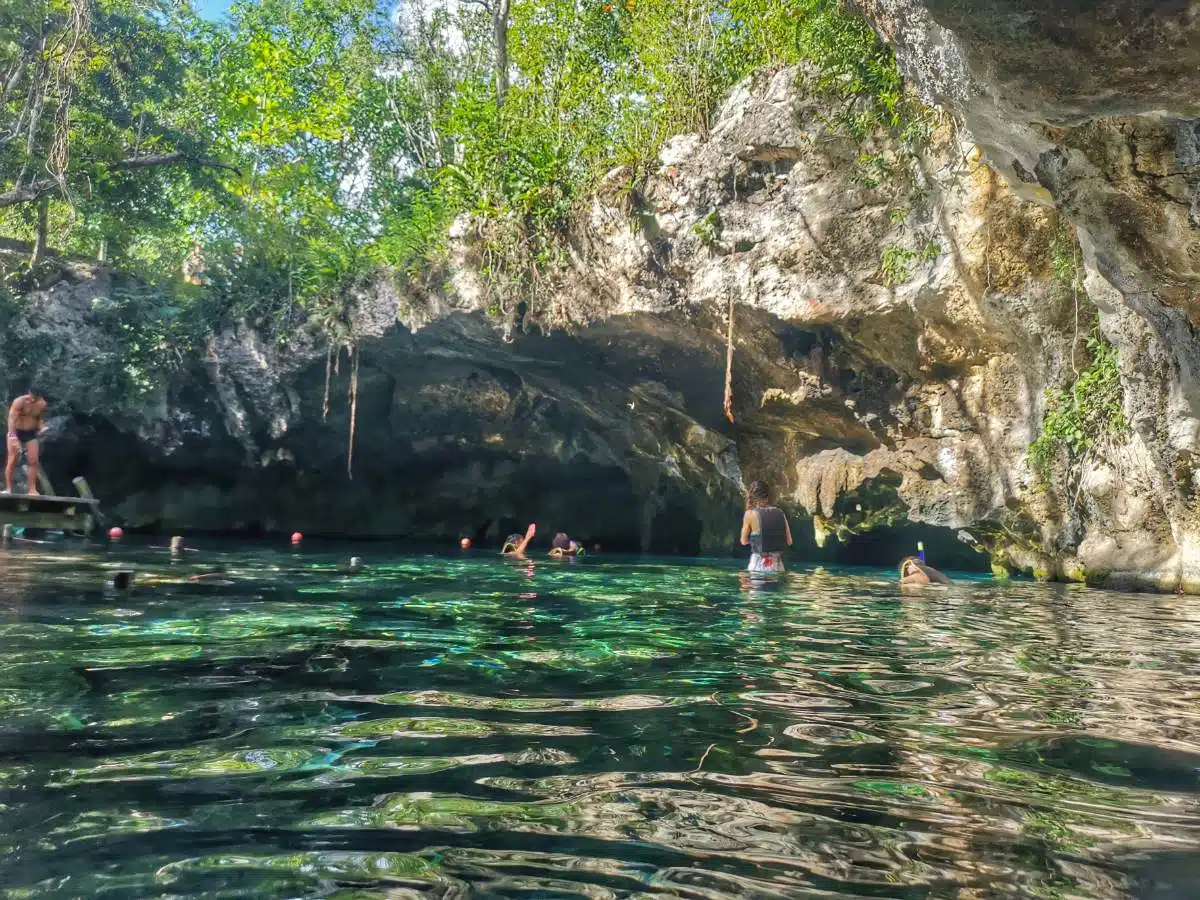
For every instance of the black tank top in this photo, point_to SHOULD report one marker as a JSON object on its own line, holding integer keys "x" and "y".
{"x": 772, "y": 531}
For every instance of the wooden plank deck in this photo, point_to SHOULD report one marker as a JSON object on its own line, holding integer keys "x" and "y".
{"x": 48, "y": 511}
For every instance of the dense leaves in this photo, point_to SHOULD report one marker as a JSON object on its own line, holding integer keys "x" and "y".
{"x": 272, "y": 159}
{"x": 1086, "y": 416}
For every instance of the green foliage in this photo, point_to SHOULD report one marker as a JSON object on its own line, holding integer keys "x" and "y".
{"x": 1064, "y": 258}
{"x": 850, "y": 62}
{"x": 871, "y": 170}
{"x": 597, "y": 85}
{"x": 151, "y": 333}
{"x": 305, "y": 143}
{"x": 895, "y": 263}
{"x": 1084, "y": 415}
{"x": 708, "y": 229}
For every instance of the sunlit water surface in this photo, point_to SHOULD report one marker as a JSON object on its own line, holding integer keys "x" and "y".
{"x": 465, "y": 726}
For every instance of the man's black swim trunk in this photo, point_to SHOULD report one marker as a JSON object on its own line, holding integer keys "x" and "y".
{"x": 25, "y": 435}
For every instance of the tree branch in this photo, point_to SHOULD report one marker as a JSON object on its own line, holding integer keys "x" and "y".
{"x": 37, "y": 189}
{"x": 167, "y": 159}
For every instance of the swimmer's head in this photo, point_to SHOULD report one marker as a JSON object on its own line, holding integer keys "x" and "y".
{"x": 758, "y": 494}
{"x": 561, "y": 541}
{"x": 908, "y": 565}
{"x": 511, "y": 543}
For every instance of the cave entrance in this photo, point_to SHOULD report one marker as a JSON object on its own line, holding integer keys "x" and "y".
{"x": 885, "y": 547}
{"x": 874, "y": 531}
{"x": 676, "y": 531}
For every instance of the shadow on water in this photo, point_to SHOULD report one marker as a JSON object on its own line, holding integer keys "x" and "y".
{"x": 467, "y": 726}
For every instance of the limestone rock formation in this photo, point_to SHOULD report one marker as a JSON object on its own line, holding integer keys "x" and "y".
{"x": 1094, "y": 108}
{"x": 901, "y": 318}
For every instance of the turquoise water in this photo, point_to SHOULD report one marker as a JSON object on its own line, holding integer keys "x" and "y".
{"x": 466, "y": 726}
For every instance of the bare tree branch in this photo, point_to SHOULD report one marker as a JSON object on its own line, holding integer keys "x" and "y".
{"x": 35, "y": 189}
{"x": 500, "y": 40}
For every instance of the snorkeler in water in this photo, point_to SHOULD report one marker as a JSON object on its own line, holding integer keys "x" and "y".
{"x": 765, "y": 530}
{"x": 563, "y": 547}
{"x": 515, "y": 544}
{"x": 913, "y": 572}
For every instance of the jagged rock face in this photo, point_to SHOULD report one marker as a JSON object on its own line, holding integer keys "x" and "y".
{"x": 922, "y": 389}
{"x": 897, "y": 325}
{"x": 925, "y": 374}
{"x": 458, "y": 433}
{"x": 1095, "y": 108}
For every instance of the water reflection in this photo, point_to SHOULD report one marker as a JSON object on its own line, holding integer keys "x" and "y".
{"x": 466, "y": 726}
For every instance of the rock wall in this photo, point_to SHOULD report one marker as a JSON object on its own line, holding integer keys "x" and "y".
{"x": 897, "y": 319}
{"x": 1094, "y": 108}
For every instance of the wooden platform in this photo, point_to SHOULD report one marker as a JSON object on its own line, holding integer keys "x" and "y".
{"x": 67, "y": 513}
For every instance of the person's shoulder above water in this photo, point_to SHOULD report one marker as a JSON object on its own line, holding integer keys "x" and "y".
{"x": 914, "y": 572}
{"x": 562, "y": 545}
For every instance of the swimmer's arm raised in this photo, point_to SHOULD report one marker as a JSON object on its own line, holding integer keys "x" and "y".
{"x": 529, "y": 535}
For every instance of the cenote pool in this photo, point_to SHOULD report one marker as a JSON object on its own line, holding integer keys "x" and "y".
{"x": 465, "y": 726}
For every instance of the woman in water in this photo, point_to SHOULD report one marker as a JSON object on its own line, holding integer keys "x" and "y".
{"x": 765, "y": 530}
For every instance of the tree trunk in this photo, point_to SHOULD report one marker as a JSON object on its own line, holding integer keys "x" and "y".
{"x": 500, "y": 39}
{"x": 39, "y": 242}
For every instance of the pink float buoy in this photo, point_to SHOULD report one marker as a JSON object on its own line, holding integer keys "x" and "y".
{"x": 115, "y": 533}
{"x": 297, "y": 537}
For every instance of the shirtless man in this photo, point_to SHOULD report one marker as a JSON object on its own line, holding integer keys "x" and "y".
{"x": 24, "y": 425}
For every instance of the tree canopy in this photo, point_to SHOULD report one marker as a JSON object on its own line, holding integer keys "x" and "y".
{"x": 270, "y": 159}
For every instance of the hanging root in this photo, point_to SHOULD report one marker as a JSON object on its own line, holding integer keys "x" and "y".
{"x": 69, "y": 69}
{"x": 328, "y": 374}
{"x": 729, "y": 365}
{"x": 354, "y": 353}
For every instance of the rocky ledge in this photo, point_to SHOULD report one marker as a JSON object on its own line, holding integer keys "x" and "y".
{"x": 903, "y": 318}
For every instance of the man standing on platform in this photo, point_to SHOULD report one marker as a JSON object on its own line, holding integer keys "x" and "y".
{"x": 25, "y": 418}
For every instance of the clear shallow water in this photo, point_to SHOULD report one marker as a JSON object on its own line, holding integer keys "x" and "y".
{"x": 464, "y": 726}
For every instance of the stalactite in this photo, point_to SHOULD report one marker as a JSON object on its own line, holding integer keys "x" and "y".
{"x": 354, "y": 354}
{"x": 328, "y": 375}
{"x": 729, "y": 365}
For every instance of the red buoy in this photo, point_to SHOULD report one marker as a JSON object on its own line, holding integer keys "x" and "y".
{"x": 297, "y": 537}
{"x": 465, "y": 543}
{"x": 115, "y": 533}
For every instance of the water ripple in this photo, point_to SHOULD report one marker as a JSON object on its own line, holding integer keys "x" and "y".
{"x": 462, "y": 727}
